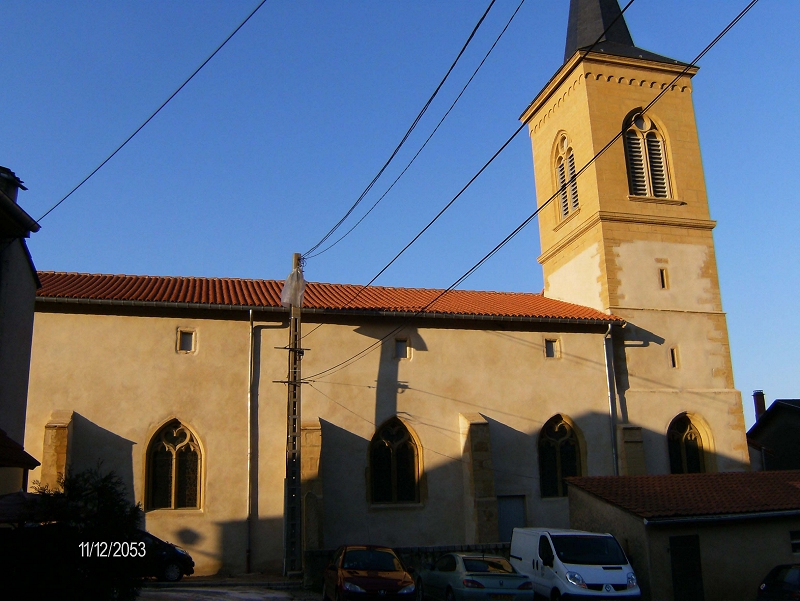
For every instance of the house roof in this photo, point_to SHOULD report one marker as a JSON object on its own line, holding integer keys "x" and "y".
{"x": 589, "y": 19}
{"x": 696, "y": 496}
{"x": 12, "y": 454}
{"x": 337, "y": 298}
{"x": 777, "y": 406}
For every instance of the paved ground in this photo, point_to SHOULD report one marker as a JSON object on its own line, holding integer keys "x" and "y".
{"x": 220, "y": 593}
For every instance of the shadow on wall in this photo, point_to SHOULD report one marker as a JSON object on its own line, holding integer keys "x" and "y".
{"x": 93, "y": 445}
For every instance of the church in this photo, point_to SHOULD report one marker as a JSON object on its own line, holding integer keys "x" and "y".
{"x": 427, "y": 419}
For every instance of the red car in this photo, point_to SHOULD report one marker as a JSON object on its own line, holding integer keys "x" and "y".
{"x": 367, "y": 573}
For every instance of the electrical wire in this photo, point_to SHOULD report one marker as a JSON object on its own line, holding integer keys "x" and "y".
{"x": 405, "y": 137}
{"x": 521, "y": 226}
{"x": 421, "y": 148}
{"x": 158, "y": 110}
{"x": 471, "y": 181}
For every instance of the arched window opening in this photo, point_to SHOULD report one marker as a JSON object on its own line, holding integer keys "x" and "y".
{"x": 559, "y": 456}
{"x": 394, "y": 461}
{"x": 173, "y": 468}
{"x": 685, "y": 447}
{"x": 565, "y": 176}
{"x": 646, "y": 156}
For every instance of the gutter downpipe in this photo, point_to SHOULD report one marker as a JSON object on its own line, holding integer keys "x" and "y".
{"x": 608, "y": 343}
{"x": 249, "y": 447}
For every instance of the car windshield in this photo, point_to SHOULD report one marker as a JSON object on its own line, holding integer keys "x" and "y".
{"x": 371, "y": 559}
{"x": 588, "y": 550}
{"x": 487, "y": 564}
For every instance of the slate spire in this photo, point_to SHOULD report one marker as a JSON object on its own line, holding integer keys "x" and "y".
{"x": 588, "y": 19}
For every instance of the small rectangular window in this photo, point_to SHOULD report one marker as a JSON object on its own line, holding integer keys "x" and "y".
{"x": 401, "y": 349}
{"x": 186, "y": 341}
{"x": 794, "y": 536}
{"x": 552, "y": 349}
{"x": 673, "y": 357}
{"x": 662, "y": 278}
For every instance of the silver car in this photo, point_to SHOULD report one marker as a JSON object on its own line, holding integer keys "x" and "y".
{"x": 472, "y": 577}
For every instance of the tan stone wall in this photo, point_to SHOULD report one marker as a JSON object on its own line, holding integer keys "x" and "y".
{"x": 122, "y": 377}
{"x": 609, "y": 254}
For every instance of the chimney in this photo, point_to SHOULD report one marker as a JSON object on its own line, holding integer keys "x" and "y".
{"x": 10, "y": 184}
{"x": 760, "y": 403}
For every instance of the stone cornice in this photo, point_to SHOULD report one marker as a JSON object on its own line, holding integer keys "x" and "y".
{"x": 596, "y": 58}
{"x": 614, "y": 217}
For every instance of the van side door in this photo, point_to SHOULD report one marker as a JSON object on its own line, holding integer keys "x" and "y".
{"x": 546, "y": 576}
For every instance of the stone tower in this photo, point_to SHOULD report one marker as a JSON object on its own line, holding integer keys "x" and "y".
{"x": 632, "y": 236}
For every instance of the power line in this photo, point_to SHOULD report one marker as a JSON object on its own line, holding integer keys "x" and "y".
{"x": 405, "y": 137}
{"x": 521, "y": 226}
{"x": 471, "y": 181}
{"x": 421, "y": 148}
{"x": 158, "y": 110}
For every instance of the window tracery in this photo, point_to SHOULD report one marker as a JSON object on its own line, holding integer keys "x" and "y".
{"x": 173, "y": 468}
{"x": 685, "y": 447}
{"x": 394, "y": 464}
{"x": 559, "y": 456}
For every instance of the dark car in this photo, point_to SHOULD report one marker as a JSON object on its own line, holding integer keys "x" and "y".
{"x": 366, "y": 572}
{"x": 783, "y": 582}
{"x": 161, "y": 559}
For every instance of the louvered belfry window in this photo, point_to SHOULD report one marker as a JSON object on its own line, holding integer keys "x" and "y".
{"x": 173, "y": 469}
{"x": 646, "y": 157}
{"x": 565, "y": 177}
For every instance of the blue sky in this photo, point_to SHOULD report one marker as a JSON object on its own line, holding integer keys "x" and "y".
{"x": 278, "y": 135}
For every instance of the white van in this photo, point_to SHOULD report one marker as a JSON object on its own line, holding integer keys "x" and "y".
{"x": 571, "y": 564}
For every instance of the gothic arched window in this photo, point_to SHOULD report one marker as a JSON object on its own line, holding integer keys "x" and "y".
{"x": 685, "y": 447}
{"x": 559, "y": 456}
{"x": 173, "y": 468}
{"x": 646, "y": 156}
{"x": 565, "y": 177}
{"x": 394, "y": 464}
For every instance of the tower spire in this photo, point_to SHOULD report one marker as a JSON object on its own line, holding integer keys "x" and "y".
{"x": 590, "y": 19}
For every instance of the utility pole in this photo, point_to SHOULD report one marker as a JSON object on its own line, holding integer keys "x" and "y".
{"x": 293, "y": 500}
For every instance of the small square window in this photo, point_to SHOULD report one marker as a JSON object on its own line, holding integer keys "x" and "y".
{"x": 186, "y": 341}
{"x": 402, "y": 350}
{"x": 552, "y": 349}
{"x": 663, "y": 278}
{"x": 794, "y": 536}
{"x": 673, "y": 357}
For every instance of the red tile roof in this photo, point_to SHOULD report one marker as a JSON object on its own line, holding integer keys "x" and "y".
{"x": 230, "y": 292}
{"x": 697, "y": 495}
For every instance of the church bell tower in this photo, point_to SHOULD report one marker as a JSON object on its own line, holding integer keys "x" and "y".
{"x": 632, "y": 236}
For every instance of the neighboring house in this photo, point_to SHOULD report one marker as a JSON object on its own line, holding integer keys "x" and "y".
{"x": 689, "y": 537}
{"x": 774, "y": 439}
{"x": 18, "y": 284}
{"x": 469, "y": 414}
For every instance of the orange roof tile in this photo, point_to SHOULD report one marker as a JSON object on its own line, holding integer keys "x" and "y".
{"x": 230, "y": 292}
{"x": 697, "y": 495}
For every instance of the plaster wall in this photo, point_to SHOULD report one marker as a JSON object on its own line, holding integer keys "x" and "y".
{"x": 734, "y": 554}
{"x": 120, "y": 373}
{"x": 123, "y": 378}
{"x": 17, "y": 294}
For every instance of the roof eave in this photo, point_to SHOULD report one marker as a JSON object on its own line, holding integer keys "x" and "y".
{"x": 612, "y": 320}
{"x": 663, "y": 521}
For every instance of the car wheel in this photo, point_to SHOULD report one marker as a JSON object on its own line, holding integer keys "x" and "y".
{"x": 555, "y": 595}
{"x": 449, "y": 595}
{"x": 172, "y": 573}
